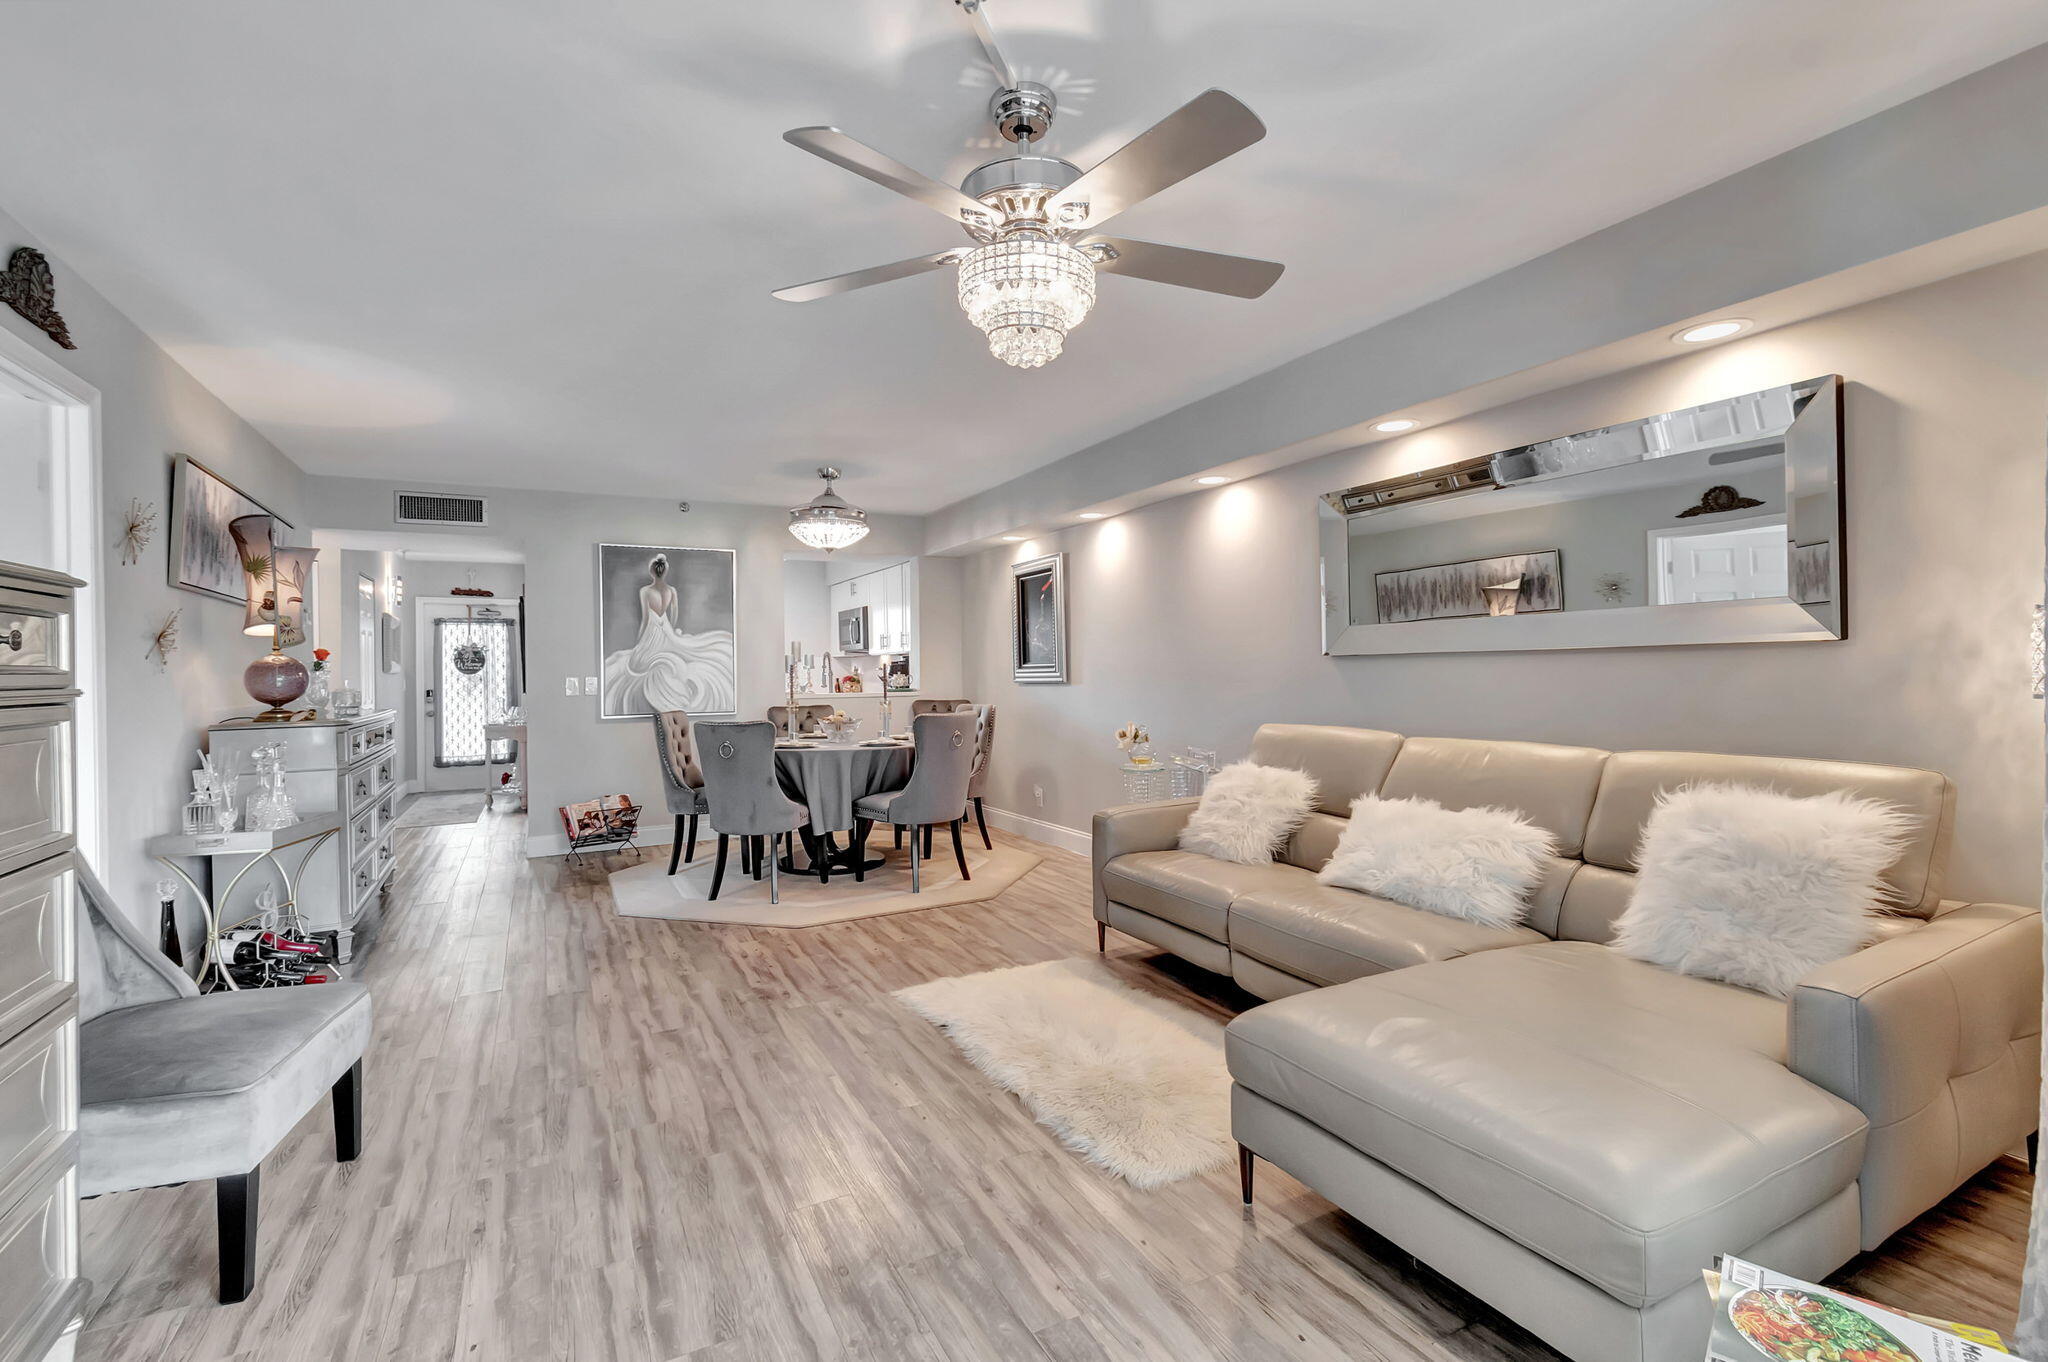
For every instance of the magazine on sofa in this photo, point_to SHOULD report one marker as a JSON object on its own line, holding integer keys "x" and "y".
{"x": 1760, "y": 1314}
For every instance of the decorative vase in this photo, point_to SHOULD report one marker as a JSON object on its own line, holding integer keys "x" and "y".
{"x": 318, "y": 696}
{"x": 276, "y": 680}
{"x": 1141, "y": 754}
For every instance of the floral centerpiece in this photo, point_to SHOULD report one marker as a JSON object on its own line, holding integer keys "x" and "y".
{"x": 1135, "y": 743}
{"x": 317, "y": 694}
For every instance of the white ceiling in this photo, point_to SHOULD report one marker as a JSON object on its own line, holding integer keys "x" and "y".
{"x": 531, "y": 242}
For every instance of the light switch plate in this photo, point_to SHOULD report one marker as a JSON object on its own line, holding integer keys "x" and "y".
{"x": 569, "y": 685}
{"x": 590, "y": 685}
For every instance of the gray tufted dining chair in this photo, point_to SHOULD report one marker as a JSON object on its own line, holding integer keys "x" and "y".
{"x": 682, "y": 782}
{"x": 918, "y": 707}
{"x": 977, "y": 779}
{"x": 809, "y": 718}
{"x": 936, "y": 792}
{"x": 746, "y": 801}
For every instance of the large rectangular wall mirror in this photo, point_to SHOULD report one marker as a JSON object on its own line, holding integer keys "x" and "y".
{"x": 1721, "y": 523}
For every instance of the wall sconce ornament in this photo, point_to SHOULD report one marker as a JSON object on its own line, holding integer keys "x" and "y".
{"x": 1717, "y": 499}
{"x": 1502, "y": 597}
{"x": 166, "y": 640}
{"x": 29, "y": 288}
{"x": 1612, "y": 586}
{"x": 138, "y": 527}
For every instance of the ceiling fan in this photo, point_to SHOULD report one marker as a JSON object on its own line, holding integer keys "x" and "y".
{"x": 1029, "y": 277}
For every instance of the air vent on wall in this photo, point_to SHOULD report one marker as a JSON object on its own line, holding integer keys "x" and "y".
{"x": 440, "y": 508}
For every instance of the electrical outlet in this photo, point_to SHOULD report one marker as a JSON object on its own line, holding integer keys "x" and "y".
{"x": 590, "y": 685}
{"x": 569, "y": 686}
{"x": 1038, "y": 795}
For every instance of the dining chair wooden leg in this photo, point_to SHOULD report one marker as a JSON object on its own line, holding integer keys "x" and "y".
{"x": 746, "y": 855}
{"x": 718, "y": 871}
{"x": 860, "y": 849}
{"x": 825, "y": 851}
{"x": 929, "y": 829}
{"x": 675, "y": 850}
{"x": 915, "y": 887}
{"x": 757, "y": 840}
{"x": 958, "y": 854}
{"x": 774, "y": 873}
{"x": 234, "y": 1210}
{"x": 899, "y": 835}
{"x": 690, "y": 847}
{"x": 981, "y": 822}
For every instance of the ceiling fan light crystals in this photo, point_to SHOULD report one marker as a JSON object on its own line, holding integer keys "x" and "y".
{"x": 827, "y": 521}
{"x": 1026, "y": 293}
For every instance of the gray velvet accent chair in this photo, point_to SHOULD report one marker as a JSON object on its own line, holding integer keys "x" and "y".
{"x": 936, "y": 792}
{"x": 682, "y": 782}
{"x": 177, "y": 1087}
{"x": 746, "y": 801}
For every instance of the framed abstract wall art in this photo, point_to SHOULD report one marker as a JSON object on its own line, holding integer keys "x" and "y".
{"x": 203, "y": 556}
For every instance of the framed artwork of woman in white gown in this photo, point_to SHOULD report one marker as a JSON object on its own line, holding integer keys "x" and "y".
{"x": 665, "y": 630}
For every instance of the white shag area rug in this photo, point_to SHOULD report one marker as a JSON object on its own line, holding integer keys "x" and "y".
{"x": 1132, "y": 1082}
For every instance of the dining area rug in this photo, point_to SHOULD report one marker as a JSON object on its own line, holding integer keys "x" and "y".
{"x": 648, "y": 890}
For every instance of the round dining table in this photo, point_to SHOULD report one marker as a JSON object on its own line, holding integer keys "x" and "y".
{"x": 827, "y": 776}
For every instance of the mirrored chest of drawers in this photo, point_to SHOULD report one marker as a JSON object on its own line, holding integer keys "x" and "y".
{"x": 40, "y": 1290}
{"x": 346, "y": 766}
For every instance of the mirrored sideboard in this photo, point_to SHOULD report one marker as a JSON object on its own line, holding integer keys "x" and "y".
{"x": 1720, "y": 523}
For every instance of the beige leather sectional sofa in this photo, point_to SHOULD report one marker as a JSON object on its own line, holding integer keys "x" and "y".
{"x": 1568, "y": 1133}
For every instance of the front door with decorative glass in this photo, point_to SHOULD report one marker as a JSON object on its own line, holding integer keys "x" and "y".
{"x": 472, "y": 683}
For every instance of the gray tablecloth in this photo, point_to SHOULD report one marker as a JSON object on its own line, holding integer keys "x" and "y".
{"x": 828, "y": 779}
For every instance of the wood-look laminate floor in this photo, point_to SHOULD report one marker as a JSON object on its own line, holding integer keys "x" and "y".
{"x": 595, "y": 1138}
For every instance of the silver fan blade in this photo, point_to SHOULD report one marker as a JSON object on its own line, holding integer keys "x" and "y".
{"x": 1237, "y": 275}
{"x": 863, "y": 160}
{"x": 874, "y": 274}
{"x": 977, "y": 15}
{"x": 1193, "y": 137}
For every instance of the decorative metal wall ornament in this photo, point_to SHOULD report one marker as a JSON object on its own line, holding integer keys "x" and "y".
{"x": 138, "y": 528}
{"x": 1717, "y": 499}
{"x": 1612, "y": 586}
{"x": 29, "y": 288}
{"x": 166, "y": 640}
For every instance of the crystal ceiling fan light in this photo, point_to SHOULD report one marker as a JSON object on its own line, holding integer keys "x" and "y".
{"x": 1026, "y": 293}
{"x": 827, "y": 521}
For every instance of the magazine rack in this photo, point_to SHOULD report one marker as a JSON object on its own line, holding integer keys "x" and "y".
{"x": 610, "y": 821}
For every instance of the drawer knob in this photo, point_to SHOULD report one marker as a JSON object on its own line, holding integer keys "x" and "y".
{"x": 14, "y": 639}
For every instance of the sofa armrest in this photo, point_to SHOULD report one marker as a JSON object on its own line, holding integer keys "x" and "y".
{"x": 1935, "y": 1036}
{"x": 1135, "y": 827}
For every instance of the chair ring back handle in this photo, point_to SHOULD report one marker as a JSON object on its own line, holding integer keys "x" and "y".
{"x": 956, "y": 740}
{"x": 725, "y": 750}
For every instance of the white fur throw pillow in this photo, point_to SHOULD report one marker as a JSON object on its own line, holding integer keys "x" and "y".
{"x": 1476, "y": 864}
{"x": 1756, "y": 887}
{"x": 1248, "y": 812}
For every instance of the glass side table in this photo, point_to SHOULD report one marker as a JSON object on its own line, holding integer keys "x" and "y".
{"x": 1147, "y": 784}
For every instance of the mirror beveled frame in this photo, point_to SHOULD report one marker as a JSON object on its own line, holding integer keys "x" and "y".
{"x": 1814, "y": 519}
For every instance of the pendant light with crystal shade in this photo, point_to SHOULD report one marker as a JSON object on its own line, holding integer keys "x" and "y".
{"x": 827, "y": 521}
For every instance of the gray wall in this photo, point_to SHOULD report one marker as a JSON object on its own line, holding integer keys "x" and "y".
{"x": 1199, "y": 615}
{"x": 152, "y": 410}
{"x": 572, "y": 754}
{"x": 1970, "y": 153}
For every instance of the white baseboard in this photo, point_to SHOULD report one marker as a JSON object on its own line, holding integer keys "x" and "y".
{"x": 410, "y": 788}
{"x": 1038, "y": 830}
{"x": 657, "y": 834}
{"x": 662, "y": 832}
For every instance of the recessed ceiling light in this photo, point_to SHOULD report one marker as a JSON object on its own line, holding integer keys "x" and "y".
{"x": 1713, "y": 331}
{"x": 1395, "y": 427}
{"x": 1213, "y": 480}
{"x": 1013, "y": 539}
{"x": 1093, "y": 515}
